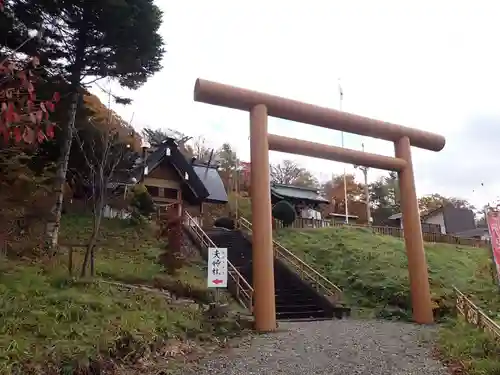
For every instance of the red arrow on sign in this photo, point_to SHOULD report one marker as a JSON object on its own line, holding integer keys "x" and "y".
{"x": 217, "y": 281}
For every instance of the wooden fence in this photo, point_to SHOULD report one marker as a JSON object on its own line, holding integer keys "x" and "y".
{"x": 301, "y": 223}
{"x": 474, "y": 315}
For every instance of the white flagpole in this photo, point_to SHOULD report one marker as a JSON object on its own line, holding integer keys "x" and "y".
{"x": 341, "y": 97}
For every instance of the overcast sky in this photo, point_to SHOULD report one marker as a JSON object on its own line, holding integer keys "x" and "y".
{"x": 432, "y": 65}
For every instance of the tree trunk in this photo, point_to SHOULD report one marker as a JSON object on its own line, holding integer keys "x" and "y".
{"x": 53, "y": 224}
{"x": 92, "y": 261}
{"x": 367, "y": 196}
{"x": 70, "y": 260}
{"x": 90, "y": 253}
{"x": 89, "y": 258}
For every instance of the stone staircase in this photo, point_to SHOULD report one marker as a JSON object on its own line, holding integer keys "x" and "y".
{"x": 297, "y": 298}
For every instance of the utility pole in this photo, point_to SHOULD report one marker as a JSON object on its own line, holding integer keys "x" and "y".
{"x": 485, "y": 208}
{"x": 237, "y": 188}
{"x": 365, "y": 187}
{"x": 341, "y": 97}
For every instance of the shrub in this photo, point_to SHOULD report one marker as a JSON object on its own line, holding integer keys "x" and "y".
{"x": 171, "y": 228}
{"x": 284, "y": 212}
{"x": 142, "y": 204}
{"x": 25, "y": 201}
{"x": 224, "y": 222}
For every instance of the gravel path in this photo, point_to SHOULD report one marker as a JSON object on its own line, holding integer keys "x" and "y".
{"x": 343, "y": 347}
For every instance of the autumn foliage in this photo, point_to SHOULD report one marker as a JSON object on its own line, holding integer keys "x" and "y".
{"x": 23, "y": 116}
{"x": 106, "y": 120}
{"x": 171, "y": 228}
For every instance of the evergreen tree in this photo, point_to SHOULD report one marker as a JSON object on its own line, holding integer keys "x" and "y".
{"x": 84, "y": 41}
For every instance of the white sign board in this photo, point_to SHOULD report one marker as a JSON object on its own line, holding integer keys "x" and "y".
{"x": 217, "y": 267}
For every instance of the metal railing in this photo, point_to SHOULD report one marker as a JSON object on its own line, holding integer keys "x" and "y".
{"x": 474, "y": 315}
{"x": 243, "y": 290}
{"x": 304, "y": 270}
{"x": 435, "y": 237}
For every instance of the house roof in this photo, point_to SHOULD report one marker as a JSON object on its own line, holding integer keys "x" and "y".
{"x": 169, "y": 149}
{"x": 456, "y": 219}
{"x": 297, "y": 192}
{"x": 342, "y": 215}
{"x": 213, "y": 183}
{"x": 433, "y": 212}
{"x": 399, "y": 215}
{"x": 472, "y": 233}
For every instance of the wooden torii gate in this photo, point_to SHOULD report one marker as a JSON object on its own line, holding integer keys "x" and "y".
{"x": 261, "y": 106}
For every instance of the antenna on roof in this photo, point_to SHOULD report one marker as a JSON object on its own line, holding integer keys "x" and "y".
{"x": 184, "y": 140}
{"x": 209, "y": 161}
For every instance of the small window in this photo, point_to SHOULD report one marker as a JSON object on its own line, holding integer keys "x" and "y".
{"x": 153, "y": 190}
{"x": 146, "y": 170}
{"x": 186, "y": 176}
{"x": 167, "y": 151}
{"x": 170, "y": 193}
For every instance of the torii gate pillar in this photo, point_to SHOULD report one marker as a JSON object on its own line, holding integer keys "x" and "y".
{"x": 261, "y": 106}
{"x": 262, "y": 240}
{"x": 414, "y": 242}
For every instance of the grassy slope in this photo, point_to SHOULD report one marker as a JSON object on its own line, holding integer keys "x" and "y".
{"x": 44, "y": 315}
{"x": 372, "y": 271}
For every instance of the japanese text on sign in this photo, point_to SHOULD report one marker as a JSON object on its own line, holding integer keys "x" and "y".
{"x": 217, "y": 267}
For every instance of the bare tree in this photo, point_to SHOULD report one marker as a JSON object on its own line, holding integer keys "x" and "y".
{"x": 191, "y": 147}
{"x": 285, "y": 172}
{"x": 104, "y": 153}
{"x": 290, "y": 173}
{"x": 227, "y": 157}
{"x": 228, "y": 162}
{"x": 155, "y": 137}
{"x": 200, "y": 150}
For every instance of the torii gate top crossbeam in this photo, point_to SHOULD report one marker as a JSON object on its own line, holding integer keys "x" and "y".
{"x": 238, "y": 98}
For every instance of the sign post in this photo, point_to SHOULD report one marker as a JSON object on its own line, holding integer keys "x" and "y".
{"x": 493, "y": 220}
{"x": 217, "y": 269}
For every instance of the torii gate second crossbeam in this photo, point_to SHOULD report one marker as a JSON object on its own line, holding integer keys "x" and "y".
{"x": 261, "y": 106}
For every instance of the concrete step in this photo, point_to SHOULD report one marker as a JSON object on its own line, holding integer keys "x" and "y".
{"x": 295, "y": 300}
{"x": 296, "y": 307}
{"x": 306, "y": 314}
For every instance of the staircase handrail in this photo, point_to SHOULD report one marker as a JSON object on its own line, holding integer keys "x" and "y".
{"x": 318, "y": 280}
{"x": 243, "y": 288}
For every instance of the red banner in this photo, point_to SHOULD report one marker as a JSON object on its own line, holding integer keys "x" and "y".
{"x": 493, "y": 220}
{"x": 245, "y": 166}
{"x": 245, "y": 171}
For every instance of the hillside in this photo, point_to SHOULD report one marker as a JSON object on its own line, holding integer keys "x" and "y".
{"x": 47, "y": 317}
{"x": 372, "y": 271}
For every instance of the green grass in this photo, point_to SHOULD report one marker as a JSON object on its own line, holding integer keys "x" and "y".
{"x": 372, "y": 271}
{"x": 467, "y": 346}
{"x": 244, "y": 205}
{"x": 129, "y": 255}
{"x": 126, "y": 253}
{"x": 47, "y": 317}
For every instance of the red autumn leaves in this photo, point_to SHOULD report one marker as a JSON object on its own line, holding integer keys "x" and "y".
{"x": 23, "y": 117}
